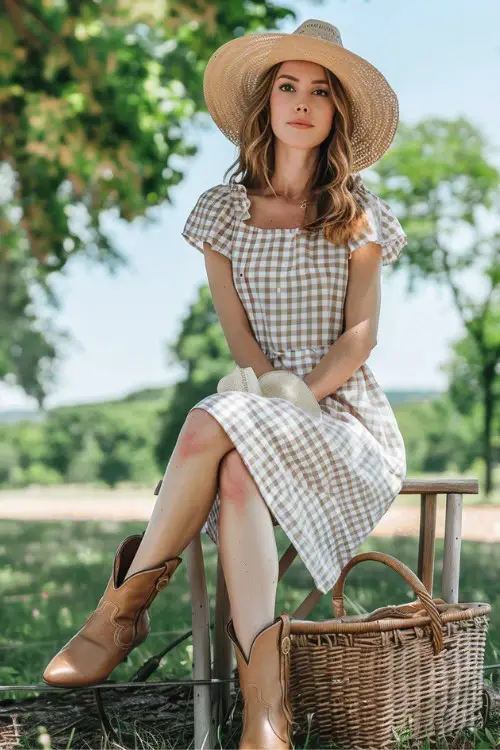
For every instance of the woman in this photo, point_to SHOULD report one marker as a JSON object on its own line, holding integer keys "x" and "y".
{"x": 291, "y": 294}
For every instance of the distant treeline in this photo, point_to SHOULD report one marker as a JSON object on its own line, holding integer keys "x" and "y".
{"x": 121, "y": 441}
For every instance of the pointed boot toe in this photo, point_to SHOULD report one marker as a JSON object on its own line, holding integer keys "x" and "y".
{"x": 60, "y": 671}
{"x": 80, "y": 662}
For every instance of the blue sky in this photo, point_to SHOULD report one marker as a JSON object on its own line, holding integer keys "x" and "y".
{"x": 442, "y": 58}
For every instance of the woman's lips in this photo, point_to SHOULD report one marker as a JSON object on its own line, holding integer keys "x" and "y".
{"x": 299, "y": 125}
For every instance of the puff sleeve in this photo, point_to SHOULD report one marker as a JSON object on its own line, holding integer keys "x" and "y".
{"x": 383, "y": 226}
{"x": 214, "y": 217}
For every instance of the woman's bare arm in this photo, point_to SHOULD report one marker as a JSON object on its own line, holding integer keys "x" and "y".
{"x": 231, "y": 313}
{"x": 361, "y": 316}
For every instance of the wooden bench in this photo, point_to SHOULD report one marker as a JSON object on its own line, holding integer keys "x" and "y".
{"x": 211, "y": 701}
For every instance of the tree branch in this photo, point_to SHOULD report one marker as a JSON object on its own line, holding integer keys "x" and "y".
{"x": 14, "y": 11}
{"x": 456, "y": 292}
{"x": 17, "y": 7}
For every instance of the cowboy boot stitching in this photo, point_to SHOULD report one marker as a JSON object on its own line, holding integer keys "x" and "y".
{"x": 162, "y": 579}
{"x": 268, "y": 706}
{"x": 118, "y": 628}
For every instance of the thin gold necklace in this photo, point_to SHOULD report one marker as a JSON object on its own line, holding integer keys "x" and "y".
{"x": 302, "y": 205}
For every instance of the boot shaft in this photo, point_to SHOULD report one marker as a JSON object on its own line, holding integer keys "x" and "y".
{"x": 121, "y": 611}
{"x": 263, "y": 682}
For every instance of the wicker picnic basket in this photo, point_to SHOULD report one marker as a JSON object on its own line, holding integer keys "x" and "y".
{"x": 415, "y": 668}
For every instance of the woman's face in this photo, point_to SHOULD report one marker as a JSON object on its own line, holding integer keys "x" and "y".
{"x": 301, "y": 90}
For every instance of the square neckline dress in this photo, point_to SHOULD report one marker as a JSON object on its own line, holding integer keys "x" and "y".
{"x": 327, "y": 482}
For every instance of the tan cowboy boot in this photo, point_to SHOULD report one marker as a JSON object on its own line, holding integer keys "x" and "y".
{"x": 267, "y": 713}
{"x": 119, "y": 623}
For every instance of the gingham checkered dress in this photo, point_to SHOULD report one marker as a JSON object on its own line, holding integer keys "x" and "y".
{"x": 327, "y": 483}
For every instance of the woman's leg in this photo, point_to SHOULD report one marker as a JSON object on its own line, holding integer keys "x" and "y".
{"x": 187, "y": 492}
{"x": 247, "y": 549}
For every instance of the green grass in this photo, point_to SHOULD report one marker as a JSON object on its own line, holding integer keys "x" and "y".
{"x": 52, "y": 575}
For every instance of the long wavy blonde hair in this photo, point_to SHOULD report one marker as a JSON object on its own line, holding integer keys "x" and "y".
{"x": 339, "y": 214}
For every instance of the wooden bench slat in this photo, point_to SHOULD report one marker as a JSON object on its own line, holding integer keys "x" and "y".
{"x": 440, "y": 486}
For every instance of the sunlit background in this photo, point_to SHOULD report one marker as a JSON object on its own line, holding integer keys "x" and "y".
{"x": 87, "y": 431}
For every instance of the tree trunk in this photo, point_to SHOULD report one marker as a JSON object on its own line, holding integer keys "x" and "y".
{"x": 489, "y": 405}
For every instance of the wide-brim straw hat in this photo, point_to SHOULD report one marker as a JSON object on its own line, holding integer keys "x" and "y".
{"x": 235, "y": 67}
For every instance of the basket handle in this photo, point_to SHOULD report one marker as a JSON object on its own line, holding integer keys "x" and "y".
{"x": 408, "y": 575}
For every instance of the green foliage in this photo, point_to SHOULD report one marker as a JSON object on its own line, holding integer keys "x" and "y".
{"x": 437, "y": 437}
{"x": 94, "y": 97}
{"x": 439, "y": 178}
{"x": 474, "y": 377}
{"x": 8, "y": 462}
{"x": 85, "y": 465}
{"x": 27, "y": 340}
{"x": 38, "y": 473}
{"x": 97, "y": 443}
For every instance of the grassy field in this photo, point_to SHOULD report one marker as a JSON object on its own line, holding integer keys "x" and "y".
{"x": 52, "y": 575}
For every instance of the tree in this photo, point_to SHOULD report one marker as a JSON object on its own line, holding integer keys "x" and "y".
{"x": 474, "y": 378}
{"x": 27, "y": 340}
{"x": 438, "y": 178}
{"x": 86, "y": 464}
{"x": 93, "y": 99}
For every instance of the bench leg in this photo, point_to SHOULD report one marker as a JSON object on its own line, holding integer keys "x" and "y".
{"x": 427, "y": 541}
{"x": 203, "y": 730}
{"x": 452, "y": 542}
{"x": 223, "y": 649}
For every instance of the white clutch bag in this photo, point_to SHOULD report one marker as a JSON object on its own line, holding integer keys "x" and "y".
{"x": 275, "y": 383}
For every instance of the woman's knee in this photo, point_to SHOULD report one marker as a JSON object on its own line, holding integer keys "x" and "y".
{"x": 236, "y": 484}
{"x": 235, "y": 481}
{"x": 198, "y": 432}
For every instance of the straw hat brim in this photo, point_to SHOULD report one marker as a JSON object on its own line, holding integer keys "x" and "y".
{"x": 234, "y": 68}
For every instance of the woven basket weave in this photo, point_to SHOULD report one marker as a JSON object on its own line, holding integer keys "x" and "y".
{"x": 367, "y": 678}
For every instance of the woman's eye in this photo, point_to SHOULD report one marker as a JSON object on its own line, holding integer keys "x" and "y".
{"x": 323, "y": 91}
